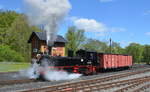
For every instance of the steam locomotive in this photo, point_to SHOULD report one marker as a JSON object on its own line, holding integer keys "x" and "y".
{"x": 87, "y": 62}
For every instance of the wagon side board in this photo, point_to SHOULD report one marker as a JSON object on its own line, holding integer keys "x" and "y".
{"x": 110, "y": 61}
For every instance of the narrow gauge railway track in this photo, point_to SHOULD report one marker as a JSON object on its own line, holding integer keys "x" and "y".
{"x": 99, "y": 86}
{"x": 135, "y": 87}
{"x": 11, "y": 82}
{"x": 74, "y": 86}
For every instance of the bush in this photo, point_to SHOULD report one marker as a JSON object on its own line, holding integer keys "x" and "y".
{"x": 7, "y": 54}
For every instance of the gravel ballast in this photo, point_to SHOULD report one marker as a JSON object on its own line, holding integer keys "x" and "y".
{"x": 17, "y": 87}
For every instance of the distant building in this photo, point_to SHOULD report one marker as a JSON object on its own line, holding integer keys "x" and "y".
{"x": 38, "y": 45}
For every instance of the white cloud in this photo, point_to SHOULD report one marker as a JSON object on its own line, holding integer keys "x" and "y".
{"x": 89, "y": 25}
{"x": 148, "y": 33}
{"x": 104, "y": 1}
{"x": 95, "y": 27}
{"x": 147, "y": 12}
{"x": 72, "y": 18}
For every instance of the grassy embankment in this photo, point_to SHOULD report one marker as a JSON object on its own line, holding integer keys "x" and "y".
{"x": 10, "y": 67}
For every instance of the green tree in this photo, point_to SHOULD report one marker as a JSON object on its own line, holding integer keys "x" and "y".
{"x": 6, "y": 20}
{"x": 15, "y": 32}
{"x": 115, "y": 48}
{"x": 7, "y": 54}
{"x": 146, "y": 54}
{"x": 136, "y": 51}
{"x": 18, "y": 36}
{"x": 95, "y": 45}
{"x": 75, "y": 38}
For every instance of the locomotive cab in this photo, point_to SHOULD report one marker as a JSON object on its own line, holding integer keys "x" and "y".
{"x": 89, "y": 56}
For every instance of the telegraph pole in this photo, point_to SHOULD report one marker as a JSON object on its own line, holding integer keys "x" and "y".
{"x": 110, "y": 45}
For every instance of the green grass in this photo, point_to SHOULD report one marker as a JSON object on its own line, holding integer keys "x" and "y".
{"x": 10, "y": 67}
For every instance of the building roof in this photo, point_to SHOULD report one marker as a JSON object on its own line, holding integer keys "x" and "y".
{"x": 42, "y": 36}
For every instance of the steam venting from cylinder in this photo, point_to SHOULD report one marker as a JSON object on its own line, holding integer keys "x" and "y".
{"x": 52, "y": 74}
{"x": 48, "y": 14}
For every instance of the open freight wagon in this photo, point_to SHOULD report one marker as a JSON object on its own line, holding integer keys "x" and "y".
{"x": 112, "y": 61}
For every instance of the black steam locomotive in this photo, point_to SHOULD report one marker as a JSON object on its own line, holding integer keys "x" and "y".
{"x": 83, "y": 62}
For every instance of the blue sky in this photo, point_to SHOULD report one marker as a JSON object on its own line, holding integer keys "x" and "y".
{"x": 125, "y": 21}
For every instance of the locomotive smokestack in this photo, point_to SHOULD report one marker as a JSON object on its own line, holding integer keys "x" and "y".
{"x": 50, "y": 45}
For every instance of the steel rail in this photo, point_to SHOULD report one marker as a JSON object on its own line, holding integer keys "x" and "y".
{"x": 98, "y": 87}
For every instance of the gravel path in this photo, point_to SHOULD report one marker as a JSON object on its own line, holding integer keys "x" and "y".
{"x": 11, "y": 76}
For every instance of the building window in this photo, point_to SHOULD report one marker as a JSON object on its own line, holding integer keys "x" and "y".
{"x": 35, "y": 50}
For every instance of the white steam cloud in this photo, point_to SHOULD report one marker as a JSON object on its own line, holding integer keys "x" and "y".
{"x": 55, "y": 75}
{"x": 51, "y": 74}
{"x": 32, "y": 72}
{"x": 47, "y": 13}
